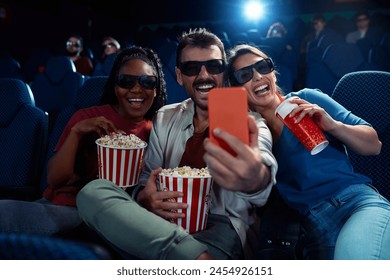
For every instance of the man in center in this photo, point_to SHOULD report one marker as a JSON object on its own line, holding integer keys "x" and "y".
{"x": 138, "y": 226}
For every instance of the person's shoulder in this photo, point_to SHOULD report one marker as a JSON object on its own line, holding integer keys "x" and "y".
{"x": 308, "y": 94}
{"x": 174, "y": 107}
{"x": 172, "y": 113}
{"x": 84, "y": 59}
{"x": 258, "y": 117}
{"x": 260, "y": 120}
{"x": 352, "y": 33}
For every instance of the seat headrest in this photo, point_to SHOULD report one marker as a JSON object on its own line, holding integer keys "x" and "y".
{"x": 14, "y": 94}
{"x": 9, "y": 67}
{"x": 342, "y": 58}
{"x": 91, "y": 91}
{"x": 276, "y": 46}
{"x": 58, "y": 67}
{"x": 108, "y": 63}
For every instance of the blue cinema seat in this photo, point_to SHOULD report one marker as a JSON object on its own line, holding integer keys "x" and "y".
{"x": 22, "y": 246}
{"x": 10, "y": 68}
{"x": 88, "y": 95}
{"x": 367, "y": 95}
{"x": 337, "y": 60}
{"x": 57, "y": 86}
{"x": 316, "y": 49}
{"x": 35, "y": 63}
{"x": 284, "y": 77}
{"x": 285, "y": 58}
{"x": 23, "y": 134}
{"x": 104, "y": 68}
{"x": 380, "y": 54}
{"x": 176, "y": 93}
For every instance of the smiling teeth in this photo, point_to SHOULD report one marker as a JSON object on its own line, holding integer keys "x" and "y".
{"x": 261, "y": 87}
{"x": 135, "y": 100}
{"x": 205, "y": 87}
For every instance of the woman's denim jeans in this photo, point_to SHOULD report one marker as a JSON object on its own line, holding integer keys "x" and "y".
{"x": 353, "y": 224}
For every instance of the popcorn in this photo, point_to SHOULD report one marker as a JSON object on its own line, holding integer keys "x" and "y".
{"x": 120, "y": 158}
{"x": 186, "y": 171}
{"x": 119, "y": 140}
{"x": 196, "y": 185}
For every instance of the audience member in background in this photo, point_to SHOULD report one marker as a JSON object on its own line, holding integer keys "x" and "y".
{"x": 74, "y": 49}
{"x": 343, "y": 215}
{"x": 319, "y": 29}
{"x": 362, "y": 21}
{"x": 134, "y": 91}
{"x": 139, "y": 226}
{"x": 277, "y": 30}
{"x": 366, "y": 36}
{"x": 309, "y": 43}
{"x": 110, "y": 48}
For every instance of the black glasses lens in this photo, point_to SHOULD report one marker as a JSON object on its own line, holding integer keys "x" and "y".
{"x": 129, "y": 81}
{"x": 264, "y": 66}
{"x": 243, "y": 75}
{"x": 215, "y": 66}
{"x": 192, "y": 68}
{"x": 126, "y": 81}
{"x": 148, "y": 82}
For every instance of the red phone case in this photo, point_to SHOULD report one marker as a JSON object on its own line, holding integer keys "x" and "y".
{"x": 228, "y": 110}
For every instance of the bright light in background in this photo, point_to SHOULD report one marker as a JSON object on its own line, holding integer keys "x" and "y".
{"x": 254, "y": 10}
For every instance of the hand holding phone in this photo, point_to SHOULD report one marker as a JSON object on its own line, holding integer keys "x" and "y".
{"x": 228, "y": 110}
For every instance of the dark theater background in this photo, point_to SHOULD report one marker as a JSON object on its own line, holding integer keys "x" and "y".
{"x": 33, "y": 39}
{"x": 27, "y": 25}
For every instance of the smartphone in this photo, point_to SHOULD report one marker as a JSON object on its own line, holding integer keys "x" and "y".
{"x": 228, "y": 110}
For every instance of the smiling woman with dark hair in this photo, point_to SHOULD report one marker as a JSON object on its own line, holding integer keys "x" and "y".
{"x": 134, "y": 91}
{"x": 341, "y": 214}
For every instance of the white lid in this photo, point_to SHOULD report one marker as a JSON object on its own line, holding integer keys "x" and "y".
{"x": 285, "y": 107}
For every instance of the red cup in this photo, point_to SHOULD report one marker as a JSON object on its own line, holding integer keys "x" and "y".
{"x": 307, "y": 131}
{"x": 197, "y": 194}
{"x": 122, "y": 165}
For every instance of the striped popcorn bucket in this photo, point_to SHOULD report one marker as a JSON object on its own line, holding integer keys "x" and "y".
{"x": 122, "y": 165}
{"x": 197, "y": 194}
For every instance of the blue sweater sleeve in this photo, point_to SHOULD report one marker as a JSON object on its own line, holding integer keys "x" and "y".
{"x": 332, "y": 107}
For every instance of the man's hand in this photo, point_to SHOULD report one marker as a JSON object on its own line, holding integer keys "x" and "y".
{"x": 245, "y": 172}
{"x": 160, "y": 202}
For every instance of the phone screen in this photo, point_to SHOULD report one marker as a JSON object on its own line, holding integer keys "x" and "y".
{"x": 228, "y": 110}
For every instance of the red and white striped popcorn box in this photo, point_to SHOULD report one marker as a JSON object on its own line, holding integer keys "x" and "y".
{"x": 197, "y": 194}
{"x": 122, "y": 165}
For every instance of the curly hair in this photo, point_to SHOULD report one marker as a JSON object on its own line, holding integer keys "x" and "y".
{"x": 150, "y": 57}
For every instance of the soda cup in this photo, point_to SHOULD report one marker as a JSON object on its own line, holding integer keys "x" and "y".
{"x": 307, "y": 131}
